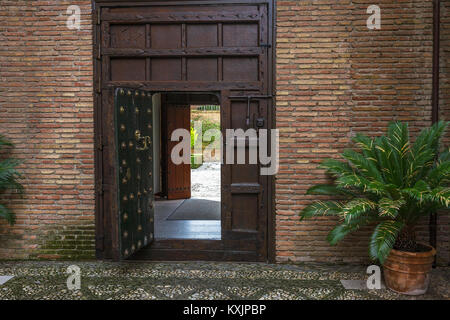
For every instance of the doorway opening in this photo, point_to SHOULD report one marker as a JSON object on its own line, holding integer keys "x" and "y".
{"x": 187, "y": 195}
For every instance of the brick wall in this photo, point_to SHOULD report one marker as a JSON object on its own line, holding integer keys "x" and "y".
{"x": 46, "y": 109}
{"x": 335, "y": 77}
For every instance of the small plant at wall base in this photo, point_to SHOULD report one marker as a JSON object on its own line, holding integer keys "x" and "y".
{"x": 389, "y": 183}
{"x": 8, "y": 180}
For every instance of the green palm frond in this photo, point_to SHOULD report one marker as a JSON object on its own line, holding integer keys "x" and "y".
{"x": 336, "y": 168}
{"x": 361, "y": 183}
{"x": 440, "y": 173}
{"x": 321, "y": 208}
{"x": 425, "y": 150}
{"x": 341, "y": 230}
{"x": 357, "y": 208}
{"x": 385, "y": 160}
{"x": 383, "y": 239}
{"x": 440, "y": 195}
{"x": 390, "y": 208}
{"x": 365, "y": 167}
{"x": 398, "y": 140}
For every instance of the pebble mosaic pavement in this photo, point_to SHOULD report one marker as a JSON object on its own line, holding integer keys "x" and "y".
{"x": 196, "y": 280}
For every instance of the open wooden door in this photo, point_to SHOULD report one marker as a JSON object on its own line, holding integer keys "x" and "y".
{"x": 178, "y": 177}
{"x": 134, "y": 156}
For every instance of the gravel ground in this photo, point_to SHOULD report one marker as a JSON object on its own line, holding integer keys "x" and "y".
{"x": 205, "y": 181}
{"x": 195, "y": 280}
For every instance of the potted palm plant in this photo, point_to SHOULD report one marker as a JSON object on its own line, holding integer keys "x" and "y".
{"x": 391, "y": 184}
{"x": 8, "y": 181}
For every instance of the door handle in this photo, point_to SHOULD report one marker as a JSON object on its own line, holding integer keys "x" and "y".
{"x": 145, "y": 140}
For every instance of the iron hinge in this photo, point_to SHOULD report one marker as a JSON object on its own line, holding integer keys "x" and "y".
{"x": 100, "y": 146}
{"x": 99, "y": 52}
{"x": 99, "y": 85}
{"x": 98, "y": 16}
{"x": 99, "y": 190}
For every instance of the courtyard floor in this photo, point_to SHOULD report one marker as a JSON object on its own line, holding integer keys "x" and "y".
{"x": 221, "y": 281}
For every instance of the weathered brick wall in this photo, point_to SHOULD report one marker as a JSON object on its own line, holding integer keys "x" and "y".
{"x": 335, "y": 77}
{"x": 46, "y": 109}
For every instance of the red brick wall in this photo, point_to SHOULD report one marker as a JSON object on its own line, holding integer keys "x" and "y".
{"x": 335, "y": 77}
{"x": 46, "y": 109}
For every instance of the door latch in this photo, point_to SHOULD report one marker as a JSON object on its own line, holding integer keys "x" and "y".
{"x": 146, "y": 140}
{"x": 260, "y": 122}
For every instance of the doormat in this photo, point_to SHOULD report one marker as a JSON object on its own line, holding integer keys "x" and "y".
{"x": 197, "y": 209}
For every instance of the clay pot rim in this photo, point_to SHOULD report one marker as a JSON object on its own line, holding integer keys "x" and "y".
{"x": 431, "y": 252}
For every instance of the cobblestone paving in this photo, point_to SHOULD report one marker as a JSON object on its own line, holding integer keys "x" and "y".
{"x": 100, "y": 280}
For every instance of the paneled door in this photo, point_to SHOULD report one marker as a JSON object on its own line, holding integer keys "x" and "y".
{"x": 134, "y": 160}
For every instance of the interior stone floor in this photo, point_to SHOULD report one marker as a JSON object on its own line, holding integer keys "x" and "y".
{"x": 198, "y": 281}
{"x": 182, "y": 229}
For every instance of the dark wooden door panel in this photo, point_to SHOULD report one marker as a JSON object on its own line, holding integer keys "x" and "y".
{"x": 134, "y": 145}
{"x": 244, "y": 188}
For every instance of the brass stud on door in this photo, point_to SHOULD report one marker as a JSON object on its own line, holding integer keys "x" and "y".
{"x": 136, "y": 110}
{"x": 126, "y": 252}
{"x": 122, "y": 92}
{"x": 136, "y": 93}
{"x": 149, "y": 126}
{"x": 139, "y": 211}
{"x": 122, "y": 110}
{"x": 125, "y": 198}
{"x": 122, "y": 127}
{"x": 151, "y": 220}
{"x": 131, "y": 144}
{"x": 139, "y": 243}
{"x": 139, "y": 228}
{"x": 149, "y": 111}
{"x": 129, "y": 92}
{"x": 138, "y": 177}
{"x": 125, "y": 216}
{"x": 124, "y": 181}
{"x": 138, "y": 160}
{"x": 133, "y": 248}
{"x": 124, "y": 162}
{"x": 125, "y": 234}
{"x": 131, "y": 196}
{"x": 124, "y": 145}
{"x": 145, "y": 191}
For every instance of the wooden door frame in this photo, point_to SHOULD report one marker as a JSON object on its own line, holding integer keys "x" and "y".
{"x": 174, "y": 249}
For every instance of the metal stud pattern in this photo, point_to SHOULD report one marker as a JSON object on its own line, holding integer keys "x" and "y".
{"x": 135, "y": 169}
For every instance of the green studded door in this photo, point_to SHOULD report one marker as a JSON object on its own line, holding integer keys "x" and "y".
{"x": 134, "y": 134}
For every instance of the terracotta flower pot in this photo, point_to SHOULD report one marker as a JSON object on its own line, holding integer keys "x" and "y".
{"x": 408, "y": 272}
